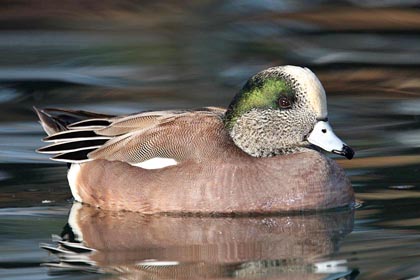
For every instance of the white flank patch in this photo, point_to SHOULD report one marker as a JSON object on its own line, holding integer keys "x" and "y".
{"x": 72, "y": 175}
{"x": 156, "y": 163}
{"x": 73, "y": 221}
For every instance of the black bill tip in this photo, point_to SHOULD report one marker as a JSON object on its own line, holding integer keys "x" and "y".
{"x": 345, "y": 151}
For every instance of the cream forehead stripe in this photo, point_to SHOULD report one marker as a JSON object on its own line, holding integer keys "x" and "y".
{"x": 310, "y": 83}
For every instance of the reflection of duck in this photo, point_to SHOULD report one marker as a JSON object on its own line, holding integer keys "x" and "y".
{"x": 258, "y": 156}
{"x": 175, "y": 246}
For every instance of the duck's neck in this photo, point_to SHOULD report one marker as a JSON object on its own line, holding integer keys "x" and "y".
{"x": 252, "y": 147}
{"x": 253, "y": 137}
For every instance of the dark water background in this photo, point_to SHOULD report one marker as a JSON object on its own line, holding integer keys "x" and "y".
{"x": 127, "y": 56}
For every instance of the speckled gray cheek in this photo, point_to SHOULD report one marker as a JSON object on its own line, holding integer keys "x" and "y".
{"x": 263, "y": 133}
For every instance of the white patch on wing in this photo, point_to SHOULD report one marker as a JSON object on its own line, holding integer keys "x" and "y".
{"x": 72, "y": 175}
{"x": 156, "y": 163}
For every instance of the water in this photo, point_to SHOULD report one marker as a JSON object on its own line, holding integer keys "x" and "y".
{"x": 126, "y": 56}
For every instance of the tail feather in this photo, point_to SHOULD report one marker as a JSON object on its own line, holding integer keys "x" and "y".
{"x": 100, "y": 123}
{"x": 73, "y": 146}
{"x": 73, "y": 133}
{"x": 73, "y": 116}
{"x": 56, "y": 120}
{"x": 50, "y": 124}
{"x": 78, "y": 156}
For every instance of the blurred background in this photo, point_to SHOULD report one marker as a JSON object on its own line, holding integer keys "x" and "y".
{"x": 127, "y": 56}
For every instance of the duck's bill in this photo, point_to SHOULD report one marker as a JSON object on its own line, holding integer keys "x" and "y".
{"x": 323, "y": 136}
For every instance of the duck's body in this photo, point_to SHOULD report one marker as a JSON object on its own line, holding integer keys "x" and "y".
{"x": 250, "y": 158}
{"x": 220, "y": 186}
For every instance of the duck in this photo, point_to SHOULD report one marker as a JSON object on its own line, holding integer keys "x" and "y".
{"x": 262, "y": 154}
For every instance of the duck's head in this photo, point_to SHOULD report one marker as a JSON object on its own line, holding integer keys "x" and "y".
{"x": 282, "y": 110}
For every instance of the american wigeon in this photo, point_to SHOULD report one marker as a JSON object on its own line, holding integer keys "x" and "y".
{"x": 261, "y": 155}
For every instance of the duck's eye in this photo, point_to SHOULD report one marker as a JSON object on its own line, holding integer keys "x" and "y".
{"x": 284, "y": 103}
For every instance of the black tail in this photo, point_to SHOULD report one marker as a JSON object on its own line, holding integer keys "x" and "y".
{"x": 71, "y": 143}
{"x": 55, "y": 120}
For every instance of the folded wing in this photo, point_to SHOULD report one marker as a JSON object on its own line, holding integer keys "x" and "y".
{"x": 173, "y": 136}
